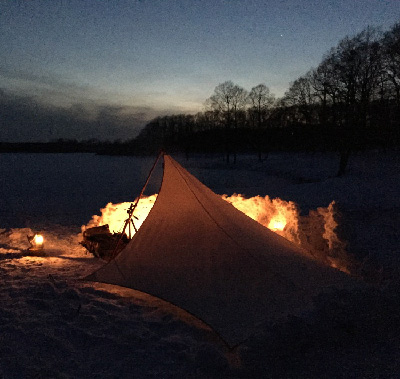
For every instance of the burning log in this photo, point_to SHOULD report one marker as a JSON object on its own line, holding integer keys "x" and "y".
{"x": 100, "y": 242}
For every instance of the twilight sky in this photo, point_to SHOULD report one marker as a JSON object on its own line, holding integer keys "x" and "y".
{"x": 101, "y": 69}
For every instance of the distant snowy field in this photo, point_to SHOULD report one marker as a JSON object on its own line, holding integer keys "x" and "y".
{"x": 55, "y": 325}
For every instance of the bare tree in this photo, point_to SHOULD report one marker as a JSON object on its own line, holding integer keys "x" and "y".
{"x": 357, "y": 65}
{"x": 239, "y": 103}
{"x": 391, "y": 56}
{"x": 301, "y": 98}
{"x": 327, "y": 89}
{"x": 261, "y": 103}
{"x": 228, "y": 101}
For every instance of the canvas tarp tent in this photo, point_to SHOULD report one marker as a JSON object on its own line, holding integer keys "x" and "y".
{"x": 196, "y": 251}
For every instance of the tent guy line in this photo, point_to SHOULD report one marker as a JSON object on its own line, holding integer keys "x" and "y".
{"x": 134, "y": 205}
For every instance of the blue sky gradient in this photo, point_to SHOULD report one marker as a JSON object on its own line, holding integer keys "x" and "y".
{"x": 153, "y": 57}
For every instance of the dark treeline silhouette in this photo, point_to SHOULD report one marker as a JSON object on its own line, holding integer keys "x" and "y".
{"x": 350, "y": 102}
{"x": 354, "y": 92}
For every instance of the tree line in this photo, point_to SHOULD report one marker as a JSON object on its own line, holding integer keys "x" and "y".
{"x": 351, "y": 101}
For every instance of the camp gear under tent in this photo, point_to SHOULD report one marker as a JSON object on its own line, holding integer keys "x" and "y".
{"x": 103, "y": 244}
{"x": 196, "y": 251}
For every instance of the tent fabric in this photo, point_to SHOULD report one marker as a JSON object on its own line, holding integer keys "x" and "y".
{"x": 196, "y": 251}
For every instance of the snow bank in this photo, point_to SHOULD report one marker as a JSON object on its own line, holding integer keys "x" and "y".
{"x": 54, "y": 325}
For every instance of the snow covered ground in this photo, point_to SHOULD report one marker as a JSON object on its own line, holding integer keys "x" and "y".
{"x": 53, "y": 324}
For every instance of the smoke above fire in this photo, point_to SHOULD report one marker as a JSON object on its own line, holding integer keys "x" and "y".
{"x": 315, "y": 232}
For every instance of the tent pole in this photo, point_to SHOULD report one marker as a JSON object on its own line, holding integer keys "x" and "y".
{"x": 134, "y": 205}
{"x": 134, "y": 227}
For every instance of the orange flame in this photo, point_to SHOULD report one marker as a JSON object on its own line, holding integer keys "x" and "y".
{"x": 277, "y": 223}
{"x": 315, "y": 232}
{"x": 277, "y": 215}
{"x": 114, "y": 215}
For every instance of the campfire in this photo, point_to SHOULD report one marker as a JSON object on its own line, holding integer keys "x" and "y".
{"x": 278, "y": 215}
{"x": 114, "y": 215}
{"x": 315, "y": 232}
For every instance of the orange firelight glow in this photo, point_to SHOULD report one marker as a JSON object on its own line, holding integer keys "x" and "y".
{"x": 114, "y": 215}
{"x": 315, "y": 232}
{"x": 277, "y": 223}
{"x": 278, "y": 215}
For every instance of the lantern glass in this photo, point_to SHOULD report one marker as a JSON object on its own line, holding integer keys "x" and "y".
{"x": 36, "y": 241}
